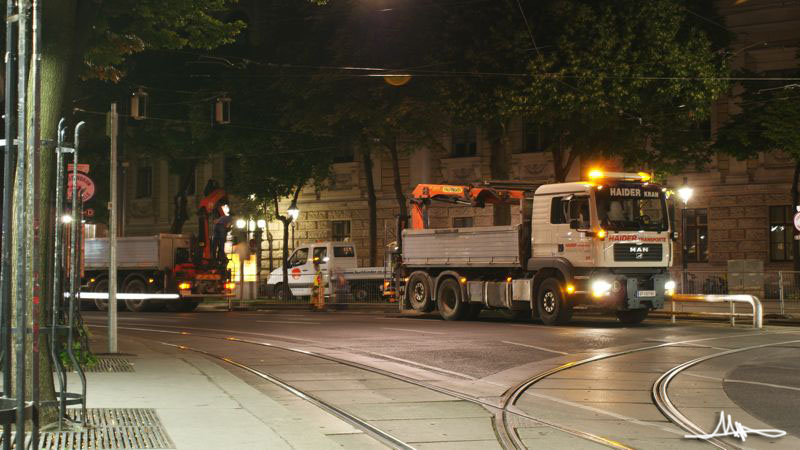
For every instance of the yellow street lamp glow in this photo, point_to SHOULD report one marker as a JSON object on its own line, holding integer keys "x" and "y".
{"x": 645, "y": 176}
{"x": 685, "y": 193}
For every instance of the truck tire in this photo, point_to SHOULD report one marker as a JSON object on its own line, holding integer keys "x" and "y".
{"x": 360, "y": 293}
{"x": 633, "y": 316}
{"x": 102, "y": 286}
{"x": 136, "y": 285}
{"x": 552, "y": 306}
{"x": 419, "y": 293}
{"x": 448, "y": 300}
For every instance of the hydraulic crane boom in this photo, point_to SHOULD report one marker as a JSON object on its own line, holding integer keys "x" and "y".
{"x": 476, "y": 195}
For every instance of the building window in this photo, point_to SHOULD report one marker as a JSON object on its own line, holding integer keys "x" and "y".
{"x": 340, "y": 230}
{"x": 465, "y": 142}
{"x": 191, "y": 188}
{"x": 144, "y": 182}
{"x": 781, "y": 233}
{"x": 534, "y": 139}
{"x": 696, "y": 235}
{"x": 463, "y": 222}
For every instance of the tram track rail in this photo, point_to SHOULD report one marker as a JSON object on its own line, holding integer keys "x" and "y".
{"x": 504, "y": 413}
{"x": 659, "y": 390}
{"x": 507, "y": 439}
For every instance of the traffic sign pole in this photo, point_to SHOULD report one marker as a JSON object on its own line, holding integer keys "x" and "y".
{"x": 112, "y": 269}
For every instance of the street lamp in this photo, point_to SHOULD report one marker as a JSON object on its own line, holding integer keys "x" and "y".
{"x": 685, "y": 194}
{"x": 294, "y": 213}
{"x": 241, "y": 223}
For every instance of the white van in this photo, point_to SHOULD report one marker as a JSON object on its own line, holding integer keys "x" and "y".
{"x": 338, "y": 262}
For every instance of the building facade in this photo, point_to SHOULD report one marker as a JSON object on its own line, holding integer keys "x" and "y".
{"x": 740, "y": 209}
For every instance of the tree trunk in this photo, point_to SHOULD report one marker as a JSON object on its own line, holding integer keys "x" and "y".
{"x": 398, "y": 191}
{"x": 181, "y": 209}
{"x": 372, "y": 201}
{"x": 60, "y": 44}
{"x": 795, "y": 202}
{"x": 500, "y": 167}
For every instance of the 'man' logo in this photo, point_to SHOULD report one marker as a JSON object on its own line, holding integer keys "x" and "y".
{"x": 639, "y": 249}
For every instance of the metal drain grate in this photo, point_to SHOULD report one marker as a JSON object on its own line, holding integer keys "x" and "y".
{"x": 111, "y": 365}
{"x": 135, "y": 428}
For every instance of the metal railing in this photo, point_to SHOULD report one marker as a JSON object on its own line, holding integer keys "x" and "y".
{"x": 755, "y": 303}
{"x": 779, "y": 290}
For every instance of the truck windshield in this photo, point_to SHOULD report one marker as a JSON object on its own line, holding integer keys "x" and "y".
{"x": 632, "y": 208}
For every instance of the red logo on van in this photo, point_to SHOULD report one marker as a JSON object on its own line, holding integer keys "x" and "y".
{"x": 296, "y": 273}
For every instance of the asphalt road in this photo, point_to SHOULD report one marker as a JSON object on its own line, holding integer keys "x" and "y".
{"x": 487, "y": 358}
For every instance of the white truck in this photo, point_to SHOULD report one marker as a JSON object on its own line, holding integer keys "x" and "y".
{"x": 603, "y": 244}
{"x": 154, "y": 264}
{"x": 338, "y": 263}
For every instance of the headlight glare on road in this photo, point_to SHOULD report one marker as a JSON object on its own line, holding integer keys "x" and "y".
{"x": 600, "y": 288}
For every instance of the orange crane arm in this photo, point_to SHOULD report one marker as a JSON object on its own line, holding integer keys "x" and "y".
{"x": 476, "y": 196}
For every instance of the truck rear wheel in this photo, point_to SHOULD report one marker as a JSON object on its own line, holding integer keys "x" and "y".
{"x": 419, "y": 293}
{"x": 632, "y": 316}
{"x": 448, "y": 299}
{"x": 552, "y": 306}
{"x": 136, "y": 286}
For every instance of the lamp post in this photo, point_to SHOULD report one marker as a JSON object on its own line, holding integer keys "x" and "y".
{"x": 685, "y": 194}
{"x": 294, "y": 213}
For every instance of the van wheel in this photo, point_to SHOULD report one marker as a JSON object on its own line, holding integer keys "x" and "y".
{"x": 632, "y": 316}
{"x": 448, "y": 300}
{"x": 360, "y": 293}
{"x": 102, "y": 305}
{"x": 419, "y": 293}
{"x": 553, "y": 308}
{"x": 280, "y": 295}
{"x": 136, "y": 286}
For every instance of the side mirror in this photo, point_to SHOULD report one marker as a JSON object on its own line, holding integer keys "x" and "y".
{"x": 574, "y": 224}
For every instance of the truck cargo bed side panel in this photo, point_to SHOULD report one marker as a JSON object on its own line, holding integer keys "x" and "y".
{"x": 462, "y": 247}
{"x": 132, "y": 252}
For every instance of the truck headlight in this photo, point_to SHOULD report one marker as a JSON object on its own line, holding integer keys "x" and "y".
{"x": 600, "y": 288}
{"x": 669, "y": 288}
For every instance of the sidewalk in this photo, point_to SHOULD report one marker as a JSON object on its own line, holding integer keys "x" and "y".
{"x": 201, "y": 405}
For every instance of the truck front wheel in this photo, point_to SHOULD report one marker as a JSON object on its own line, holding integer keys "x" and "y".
{"x": 102, "y": 304}
{"x": 419, "y": 293}
{"x": 552, "y": 306}
{"x": 448, "y": 299}
{"x": 633, "y": 316}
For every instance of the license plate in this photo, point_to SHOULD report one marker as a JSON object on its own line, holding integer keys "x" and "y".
{"x": 647, "y": 293}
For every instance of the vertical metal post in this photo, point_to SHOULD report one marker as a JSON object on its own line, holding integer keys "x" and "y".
{"x": 733, "y": 314}
{"x": 8, "y": 176}
{"x": 780, "y": 290}
{"x": 34, "y": 212}
{"x": 19, "y": 222}
{"x": 672, "y": 308}
{"x": 58, "y": 291}
{"x": 112, "y": 238}
{"x": 685, "y": 250}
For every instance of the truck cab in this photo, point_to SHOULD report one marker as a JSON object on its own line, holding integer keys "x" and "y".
{"x": 612, "y": 237}
{"x": 341, "y": 255}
